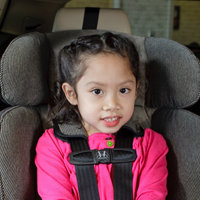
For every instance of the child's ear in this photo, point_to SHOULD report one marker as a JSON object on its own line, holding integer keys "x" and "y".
{"x": 69, "y": 93}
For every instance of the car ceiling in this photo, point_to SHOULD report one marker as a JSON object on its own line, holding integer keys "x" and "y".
{"x": 23, "y": 16}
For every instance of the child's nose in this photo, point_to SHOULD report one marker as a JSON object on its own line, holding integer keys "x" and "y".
{"x": 111, "y": 104}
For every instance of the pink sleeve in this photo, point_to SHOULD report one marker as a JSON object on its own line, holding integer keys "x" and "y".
{"x": 53, "y": 177}
{"x": 152, "y": 183}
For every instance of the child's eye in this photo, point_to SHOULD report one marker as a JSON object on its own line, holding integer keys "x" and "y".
{"x": 124, "y": 90}
{"x": 97, "y": 91}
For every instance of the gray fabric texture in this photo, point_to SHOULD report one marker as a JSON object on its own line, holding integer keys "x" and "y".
{"x": 73, "y": 130}
{"x": 180, "y": 128}
{"x": 173, "y": 74}
{"x": 20, "y": 129}
{"x": 68, "y": 129}
{"x": 24, "y": 67}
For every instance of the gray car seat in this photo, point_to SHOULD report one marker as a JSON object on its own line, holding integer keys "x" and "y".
{"x": 171, "y": 85}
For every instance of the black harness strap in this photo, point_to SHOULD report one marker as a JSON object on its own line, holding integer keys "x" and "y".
{"x": 85, "y": 174}
{"x": 122, "y": 172}
{"x": 86, "y": 178}
{"x": 91, "y": 18}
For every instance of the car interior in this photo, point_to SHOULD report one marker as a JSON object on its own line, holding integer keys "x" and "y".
{"x": 33, "y": 32}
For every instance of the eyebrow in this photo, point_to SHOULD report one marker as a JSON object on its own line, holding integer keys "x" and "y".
{"x": 102, "y": 84}
{"x": 127, "y": 81}
{"x": 95, "y": 83}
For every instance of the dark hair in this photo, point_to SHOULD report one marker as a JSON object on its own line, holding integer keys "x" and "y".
{"x": 71, "y": 67}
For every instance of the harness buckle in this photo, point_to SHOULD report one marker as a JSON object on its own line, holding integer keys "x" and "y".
{"x": 102, "y": 156}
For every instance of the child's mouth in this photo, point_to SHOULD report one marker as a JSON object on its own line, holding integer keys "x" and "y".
{"x": 111, "y": 121}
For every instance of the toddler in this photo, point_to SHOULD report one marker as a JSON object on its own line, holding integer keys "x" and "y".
{"x": 98, "y": 79}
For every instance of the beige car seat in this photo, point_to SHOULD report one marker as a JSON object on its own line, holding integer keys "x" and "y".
{"x": 91, "y": 18}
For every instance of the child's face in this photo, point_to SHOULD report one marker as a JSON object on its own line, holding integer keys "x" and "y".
{"x": 105, "y": 94}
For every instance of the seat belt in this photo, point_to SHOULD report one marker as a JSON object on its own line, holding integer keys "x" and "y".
{"x": 84, "y": 160}
{"x": 86, "y": 178}
{"x": 91, "y": 17}
{"x": 122, "y": 172}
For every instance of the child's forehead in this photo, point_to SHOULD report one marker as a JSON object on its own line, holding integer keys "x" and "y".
{"x": 107, "y": 66}
{"x": 106, "y": 61}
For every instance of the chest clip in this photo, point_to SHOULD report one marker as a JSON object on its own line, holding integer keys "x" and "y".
{"x": 103, "y": 156}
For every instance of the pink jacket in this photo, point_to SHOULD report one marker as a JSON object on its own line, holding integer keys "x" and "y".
{"x": 57, "y": 177}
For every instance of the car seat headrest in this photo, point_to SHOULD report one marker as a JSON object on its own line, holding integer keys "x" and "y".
{"x": 173, "y": 74}
{"x": 28, "y": 64}
{"x": 106, "y": 19}
{"x": 24, "y": 67}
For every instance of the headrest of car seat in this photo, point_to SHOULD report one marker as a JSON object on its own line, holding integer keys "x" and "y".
{"x": 173, "y": 72}
{"x": 24, "y": 67}
{"x": 91, "y": 18}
